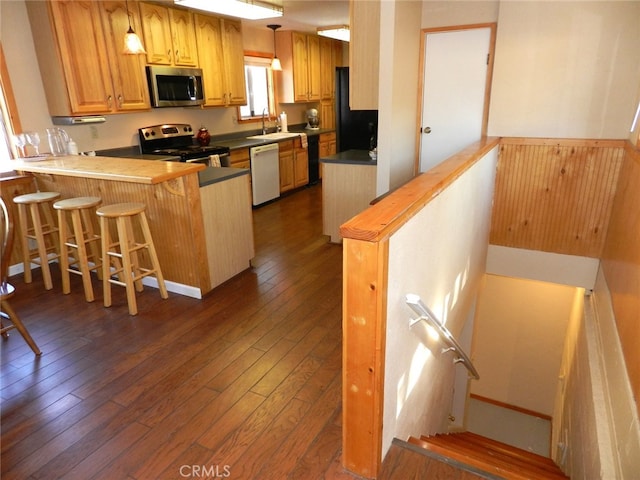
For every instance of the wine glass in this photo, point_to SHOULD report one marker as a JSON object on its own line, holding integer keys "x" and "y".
{"x": 20, "y": 141}
{"x": 33, "y": 139}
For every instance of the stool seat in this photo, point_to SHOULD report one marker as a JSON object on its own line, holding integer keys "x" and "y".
{"x": 123, "y": 253}
{"x": 38, "y": 197}
{"x": 78, "y": 202}
{"x": 80, "y": 240}
{"x": 32, "y": 207}
{"x": 121, "y": 210}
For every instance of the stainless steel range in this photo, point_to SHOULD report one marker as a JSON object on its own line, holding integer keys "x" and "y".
{"x": 177, "y": 140}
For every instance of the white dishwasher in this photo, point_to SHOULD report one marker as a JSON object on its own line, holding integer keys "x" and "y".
{"x": 265, "y": 173}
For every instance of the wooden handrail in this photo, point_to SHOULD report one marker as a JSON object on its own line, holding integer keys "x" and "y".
{"x": 385, "y": 217}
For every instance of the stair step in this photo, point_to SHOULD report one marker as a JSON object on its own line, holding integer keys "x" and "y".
{"x": 491, "y": 456}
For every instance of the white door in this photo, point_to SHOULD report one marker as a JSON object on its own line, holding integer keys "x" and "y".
{"x": 453, "y": 99}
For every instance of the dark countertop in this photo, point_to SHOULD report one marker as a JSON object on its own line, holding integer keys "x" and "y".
{"x": 211, "y": 175}
{"x": 240, "y": 140}
{"x": 350, "y": 157}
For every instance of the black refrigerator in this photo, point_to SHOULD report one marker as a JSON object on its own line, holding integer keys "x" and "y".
{"x": 355, "y": 129}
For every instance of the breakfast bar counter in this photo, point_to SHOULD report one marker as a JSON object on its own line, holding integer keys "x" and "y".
{"x": 199, "y": 243}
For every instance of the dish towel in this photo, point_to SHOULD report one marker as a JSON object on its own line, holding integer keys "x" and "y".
{"x": 214, "y": 160}
{"x": 303, "y": 140}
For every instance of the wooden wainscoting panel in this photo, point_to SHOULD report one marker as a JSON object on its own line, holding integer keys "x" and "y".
{"x": 621, "y": 264}
{"x": 555, "y": 197}
{"x": 168, "y": 212}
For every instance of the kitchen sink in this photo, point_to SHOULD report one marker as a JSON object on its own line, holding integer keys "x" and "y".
{"x": 274, "y": 136}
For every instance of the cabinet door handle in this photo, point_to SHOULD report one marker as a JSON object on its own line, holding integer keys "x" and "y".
{"x": 120, "y": 101}
{"x": 109, "y": 100}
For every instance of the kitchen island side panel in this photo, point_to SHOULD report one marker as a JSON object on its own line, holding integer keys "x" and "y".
{"x": 174, "y": 212}
{"x": 228, "y": 227}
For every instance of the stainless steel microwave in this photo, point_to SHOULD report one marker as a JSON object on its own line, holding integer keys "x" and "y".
{"x": 174, "y": 86}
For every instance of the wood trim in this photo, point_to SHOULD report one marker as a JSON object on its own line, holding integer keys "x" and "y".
{"x": 364, "y": 320}
{"x": 563, "y": 142}
{"x": 384, "y": 218}
{"x": 421, "y": 66}
{"x": 515, "y": 408}
{"x": 9, "y": 97}
{"x": 632, "y": 151}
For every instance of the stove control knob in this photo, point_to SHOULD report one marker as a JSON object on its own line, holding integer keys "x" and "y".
{"x": 146, "y": 134}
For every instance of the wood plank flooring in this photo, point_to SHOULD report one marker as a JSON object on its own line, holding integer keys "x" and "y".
{"x": 244, "y": 384}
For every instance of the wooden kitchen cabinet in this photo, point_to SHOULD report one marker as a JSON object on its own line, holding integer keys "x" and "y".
{"x": 127, "y": 71}
{"x": 183, "y": 36}
{"x": 169, "y": 36}
{"x": 327, "y": 143}
{"x": 300, "y": 165}
{"x": 77, "y": 48}
{"x": 327, "y": 69}
{"x": 299, "y": 54}
{"x": 221, "y": 54}
{"x": 239, "y": 158}
{"x": 286, "y": 157}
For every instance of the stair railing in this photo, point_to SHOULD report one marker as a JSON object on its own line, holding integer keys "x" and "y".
{"x": 428, "y": 316}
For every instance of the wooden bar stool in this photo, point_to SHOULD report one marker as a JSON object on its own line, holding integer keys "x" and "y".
{"x": 82, "y": 242}
{"x": 33, "y": 228}
{"x": 124, "y": 252}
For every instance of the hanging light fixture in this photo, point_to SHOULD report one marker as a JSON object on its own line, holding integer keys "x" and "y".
{"x": 132, "y": 43}
{"x": 275, "y": 63}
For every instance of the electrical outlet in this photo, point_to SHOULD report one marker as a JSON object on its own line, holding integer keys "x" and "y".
{"x": 94, "y": 131}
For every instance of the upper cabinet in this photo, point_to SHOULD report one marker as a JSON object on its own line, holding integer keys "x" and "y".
{"x": 169, "y": 36}
{"x": 78, "y": 44}
{"x": 127, "y": 71}
{"x": 221, "y": 55}
{"x": 299, "y": 54}
{"x": 364, "y": 54}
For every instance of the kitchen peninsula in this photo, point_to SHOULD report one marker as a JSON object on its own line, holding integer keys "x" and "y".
{"x": 348, "y": 186}
{"x": 200, "y": 217}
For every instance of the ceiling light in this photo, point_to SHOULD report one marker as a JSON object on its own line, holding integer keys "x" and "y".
{"x": 275, "y": 63}
{"x": 248, "y": 9}
{"x": 339, "y": 32}
{"x": 132, "y": 43}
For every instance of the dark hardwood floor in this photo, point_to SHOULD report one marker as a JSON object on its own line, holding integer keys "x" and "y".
{"x": 243, "y": 384}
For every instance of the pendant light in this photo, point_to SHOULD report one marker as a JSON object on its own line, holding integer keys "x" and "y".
{"x": 275, "y": 63}
{"x": 132, "y": 43}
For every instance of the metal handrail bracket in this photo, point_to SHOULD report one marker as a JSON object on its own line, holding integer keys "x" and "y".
{"x": 428, "y": 316}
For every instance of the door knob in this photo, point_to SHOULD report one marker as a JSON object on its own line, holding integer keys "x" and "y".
{"x": 426, "y": 130}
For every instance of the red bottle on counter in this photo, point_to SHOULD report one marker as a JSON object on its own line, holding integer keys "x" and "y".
{"x": 203, "y": 137}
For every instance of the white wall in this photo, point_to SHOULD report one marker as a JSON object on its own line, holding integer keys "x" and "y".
{"x": 439, "y": 255}
{"x": 520, "y": 330}
{"x": 565, "y": 69}
{"x": 596, "y": 414}
{"x": 397, "y": 99}
{"x": 448, "y": 13}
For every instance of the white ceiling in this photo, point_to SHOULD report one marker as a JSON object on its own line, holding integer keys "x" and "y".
{"x": 306, "y": 15}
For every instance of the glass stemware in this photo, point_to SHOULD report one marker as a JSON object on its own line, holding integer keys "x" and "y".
{"x": 20, "y": 141}
{"x": 33, "y": 139}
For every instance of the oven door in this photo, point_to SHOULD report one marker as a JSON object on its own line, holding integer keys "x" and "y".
{"x": 211, "y": 162}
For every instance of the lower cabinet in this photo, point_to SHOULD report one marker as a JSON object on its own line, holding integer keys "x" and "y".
{"x": 286, "y": 154}
{"x": 239, "y": 158}
{"x": 300, "y": 165}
